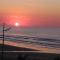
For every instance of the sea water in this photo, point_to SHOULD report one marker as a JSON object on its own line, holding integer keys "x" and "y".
{"x": 41, "y": 32}
{"x": 48, "y": 37}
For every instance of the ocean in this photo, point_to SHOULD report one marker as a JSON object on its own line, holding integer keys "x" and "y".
{"x": 46, "y": 37}
{"x": 41, "y": 32}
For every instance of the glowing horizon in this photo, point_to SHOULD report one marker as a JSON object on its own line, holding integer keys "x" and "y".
{"x": 34, "y": 13}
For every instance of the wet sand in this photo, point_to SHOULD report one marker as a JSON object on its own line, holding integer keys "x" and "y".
{"x": 30, "y": 55}
{"x": 11, "y": 53}
{"x": 30, "y": 47}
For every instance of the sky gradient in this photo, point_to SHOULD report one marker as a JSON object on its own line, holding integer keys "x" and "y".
{"x": 33, "y": 13}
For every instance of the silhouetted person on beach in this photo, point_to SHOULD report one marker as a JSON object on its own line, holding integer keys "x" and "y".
{"x": 22, "y": 57}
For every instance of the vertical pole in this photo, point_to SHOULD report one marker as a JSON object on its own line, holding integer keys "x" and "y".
{"x": 3, "y": 43}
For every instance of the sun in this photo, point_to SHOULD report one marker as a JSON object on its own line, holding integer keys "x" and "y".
{"x": 16, "y": 24}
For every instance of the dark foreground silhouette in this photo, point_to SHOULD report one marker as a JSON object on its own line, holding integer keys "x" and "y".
{"x": 57, "y": 58}
{"x": 22, "y": 57}
{"x": 25, "y": 55}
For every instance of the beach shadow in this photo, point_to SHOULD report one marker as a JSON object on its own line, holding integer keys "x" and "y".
{"x": 57, "y": 58}
{"x": 22, "y": 57}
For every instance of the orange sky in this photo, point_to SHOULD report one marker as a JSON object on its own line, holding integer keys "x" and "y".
{"x": 34, "y": 13}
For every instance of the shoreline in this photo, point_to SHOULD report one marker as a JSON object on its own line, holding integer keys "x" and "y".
{"x": 30, "y": 47}
{"x": 11, "y": 54}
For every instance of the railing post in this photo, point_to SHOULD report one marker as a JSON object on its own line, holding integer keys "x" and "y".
{"x": 3, "y": 44}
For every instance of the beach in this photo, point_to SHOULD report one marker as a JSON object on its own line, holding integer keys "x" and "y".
{"x": 34, "y": 46}
{"x": 31, "y": 47}
{"x": 14, "y": 52}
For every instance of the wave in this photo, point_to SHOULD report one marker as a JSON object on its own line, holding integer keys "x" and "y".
{"x": 46, "y": 42}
